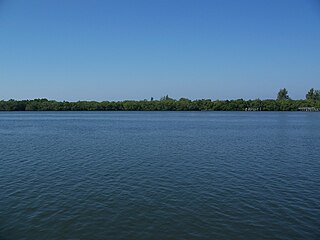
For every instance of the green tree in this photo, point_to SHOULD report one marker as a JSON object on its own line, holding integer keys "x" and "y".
{"x": 166, "y": 98}
{"x": 283, "y": 94}
{"x": 317, "y": 95}
{"x": 313, "y": 95}
{"x": 310, "y": 94}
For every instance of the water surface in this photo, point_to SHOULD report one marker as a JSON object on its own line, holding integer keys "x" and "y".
{"x": 159, "y": 175}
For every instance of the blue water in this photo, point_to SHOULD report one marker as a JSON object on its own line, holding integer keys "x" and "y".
{"x": 159, "y": 175}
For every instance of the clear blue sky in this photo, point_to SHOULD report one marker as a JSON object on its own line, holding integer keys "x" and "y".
{"x": 136, "y": 49}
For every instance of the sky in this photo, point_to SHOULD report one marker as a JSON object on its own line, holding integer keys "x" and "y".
{"x": 137, "y": 49}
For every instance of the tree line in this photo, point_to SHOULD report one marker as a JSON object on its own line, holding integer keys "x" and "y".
{"x": 282, "y": 103}
{"x": 313, "y": 95}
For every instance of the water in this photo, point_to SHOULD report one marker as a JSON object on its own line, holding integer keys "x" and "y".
{"x": 159, "y": 175}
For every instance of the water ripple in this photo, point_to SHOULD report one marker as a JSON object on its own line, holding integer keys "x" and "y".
{"x": 159, "y": 176}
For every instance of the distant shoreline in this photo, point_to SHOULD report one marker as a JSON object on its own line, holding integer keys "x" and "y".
{"x": 164, "y": 104}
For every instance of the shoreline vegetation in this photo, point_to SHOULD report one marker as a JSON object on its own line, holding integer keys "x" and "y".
{"x": 282, "y": 103}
